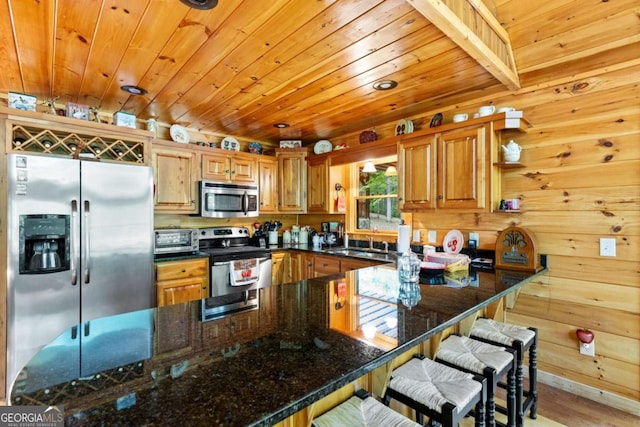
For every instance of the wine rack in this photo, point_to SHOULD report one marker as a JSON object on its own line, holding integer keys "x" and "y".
{"x": 75, "y": 143}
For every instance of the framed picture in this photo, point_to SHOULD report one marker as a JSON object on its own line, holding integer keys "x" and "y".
{"x": 291, "y": 143}
{"x": 120, "y": 118}
{"x": 22, "y": 101}
{"x": 78, "y": 111}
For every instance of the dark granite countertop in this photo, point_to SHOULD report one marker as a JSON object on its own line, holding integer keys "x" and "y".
{"x": 258, "y": 367}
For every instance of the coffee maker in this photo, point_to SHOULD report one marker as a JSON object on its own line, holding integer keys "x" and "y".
{"x": 44, "y": 244}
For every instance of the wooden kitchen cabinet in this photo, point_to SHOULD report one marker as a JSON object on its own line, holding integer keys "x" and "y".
{"x": 448, "y": 170}
{"x": 175, "y": 179}
{"x": 230, "y": 167}
{"x": 417, "y": 168}
{"x": 318, "y": 185}
{"x": 267, "y": 184}
{"x": 322, "y": 179}
{"x": 280, "y": 268}
{"x": 464, "y": 169}
{"x": 301, "y": 265}
{"x": 181, "y": 281}
{"x": 325, "y": 265}
{"x": 292, "y": 180}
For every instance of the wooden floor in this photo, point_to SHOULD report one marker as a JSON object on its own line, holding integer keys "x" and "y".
{"x": 560, "y": 408}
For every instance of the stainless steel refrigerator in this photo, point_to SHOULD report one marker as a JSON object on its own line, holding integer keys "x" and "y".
{"x": 80, "y": 248}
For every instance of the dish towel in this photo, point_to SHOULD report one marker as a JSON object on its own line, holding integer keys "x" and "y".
{"x": 244, "y": 271}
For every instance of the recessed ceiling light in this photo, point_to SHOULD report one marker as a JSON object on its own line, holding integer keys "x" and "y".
{"x": 133, "y": 90}
{"x": 281, "y": 125}
{"x": 201, "y": 4}
{"x": 385, "y": 84}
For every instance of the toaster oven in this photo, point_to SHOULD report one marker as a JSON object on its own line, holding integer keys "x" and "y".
{"x": 175, "y": 241}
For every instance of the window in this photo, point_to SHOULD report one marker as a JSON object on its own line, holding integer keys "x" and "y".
{"x": 377, "y": 199}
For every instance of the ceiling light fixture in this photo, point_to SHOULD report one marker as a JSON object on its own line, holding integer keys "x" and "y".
{"x": 369, "y": 167}
{"x": 133, "y": 90}
{"x": 391, "y": 171}
{"x": 201, "y": 4}
{"x": 281, "y": 125}
{"x": 385, "y": 84}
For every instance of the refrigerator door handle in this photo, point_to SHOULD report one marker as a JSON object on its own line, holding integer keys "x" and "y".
{"x": 74, "y": 332}
{"x": 86, "y": 329}
{"x": 74, "y": 243}
{"x": 86, "y": 258}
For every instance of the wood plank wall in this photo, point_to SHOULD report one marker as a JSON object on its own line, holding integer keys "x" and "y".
{"x": 581, "y": 183}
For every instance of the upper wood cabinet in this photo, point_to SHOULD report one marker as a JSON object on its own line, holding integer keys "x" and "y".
{"x": 448, "y": 170}
{"x": 318, "y": 199}
{"x": 464, "y": 173}
{"x": 322, "y": 178}
{"x": 417, "y": 173}
{"x": 232, "y": 167}
{"x": 292, "y": 180}
{"x": 175, "y": 178}
{"x": 267, "y": 184}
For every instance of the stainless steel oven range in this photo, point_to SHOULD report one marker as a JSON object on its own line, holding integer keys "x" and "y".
{"x": 238, "y": 271}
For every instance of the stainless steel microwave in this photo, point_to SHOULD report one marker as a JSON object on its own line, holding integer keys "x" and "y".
{"x": 219, "y": 200}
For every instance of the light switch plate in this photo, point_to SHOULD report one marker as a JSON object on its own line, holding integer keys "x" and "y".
{"x": 475, "y": 236}
{"x": 607, "y": 246}
{"x": 432, "y": 236}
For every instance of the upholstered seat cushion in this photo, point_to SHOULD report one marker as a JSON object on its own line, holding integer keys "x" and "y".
{"x": 503, "y": 333}
{"x": 357, "y": 412}
{"x": 433, "y": 384}
{"x": 473, "y": 355}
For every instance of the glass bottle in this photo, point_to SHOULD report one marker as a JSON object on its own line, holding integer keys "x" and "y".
{"x": 408, "y": 267}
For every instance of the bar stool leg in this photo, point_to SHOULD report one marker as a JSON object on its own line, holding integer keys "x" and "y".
{"x": 533, "y": 375}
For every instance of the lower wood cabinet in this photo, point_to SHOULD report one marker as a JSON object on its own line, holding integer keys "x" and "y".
{"x": 325, "y": 265}
{"x": 280, "y": 268}
{"x": 181, "y": 281}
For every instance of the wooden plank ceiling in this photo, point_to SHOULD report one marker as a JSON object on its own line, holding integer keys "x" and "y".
{"x": 245, "y": 65}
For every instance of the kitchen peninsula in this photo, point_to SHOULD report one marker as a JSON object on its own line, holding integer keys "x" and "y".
{"x": 306, "y": 340}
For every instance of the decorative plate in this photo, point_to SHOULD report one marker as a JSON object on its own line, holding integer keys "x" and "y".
{"x": 179, "y": 134}
{"x": 255, "y": 148}
{"x": 453, "y": 242}
{"x": 401, "y": 127}
{"x": 436, "y": 120}
{"x": 230, "y": 143}
{"x": 322, "y": 146}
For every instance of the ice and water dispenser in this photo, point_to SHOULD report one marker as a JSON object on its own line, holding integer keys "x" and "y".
{"x": 44, "y": 243}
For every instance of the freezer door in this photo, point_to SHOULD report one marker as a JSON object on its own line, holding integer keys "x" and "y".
{"x": 39, "y": 306}
{"x": 117, "y": 239}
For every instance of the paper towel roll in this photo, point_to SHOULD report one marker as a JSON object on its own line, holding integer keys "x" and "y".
{"x": 404, "y": 238}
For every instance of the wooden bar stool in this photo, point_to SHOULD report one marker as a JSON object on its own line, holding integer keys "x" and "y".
{"x": 362, "y": 410}
{"x": 490, "y": 361}
{"x": 520, "y": 339}
{"x": 445, "y": 395}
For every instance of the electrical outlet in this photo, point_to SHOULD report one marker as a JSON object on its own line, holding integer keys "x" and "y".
{"x": 607, "y": 246}
{"x": 588, "y": 349}
{"x": 476, "y": 237}
{"x": 432, "y": 236}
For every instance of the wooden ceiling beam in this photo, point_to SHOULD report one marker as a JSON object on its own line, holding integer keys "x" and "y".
{"x": 472, "y": 27}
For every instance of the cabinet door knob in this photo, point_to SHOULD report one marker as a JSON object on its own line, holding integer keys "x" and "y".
{"x": 184, "y": 270}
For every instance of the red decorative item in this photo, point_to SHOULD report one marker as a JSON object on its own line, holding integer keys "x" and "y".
{"x": 585, "y": 336}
